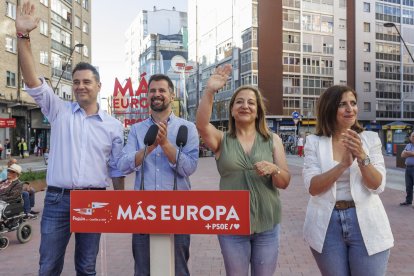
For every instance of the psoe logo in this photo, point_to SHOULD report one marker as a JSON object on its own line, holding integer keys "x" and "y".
{"x": 90, "y": 209}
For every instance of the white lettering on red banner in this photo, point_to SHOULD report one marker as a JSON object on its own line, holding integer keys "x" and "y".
{"x": 161, "y": 212}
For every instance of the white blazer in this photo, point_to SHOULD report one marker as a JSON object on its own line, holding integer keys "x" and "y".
{"x": 373, "y": 220}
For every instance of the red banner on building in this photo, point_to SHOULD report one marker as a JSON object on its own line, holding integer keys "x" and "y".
{"x": 160, "y": 212}
{"x": 7, "y": 123}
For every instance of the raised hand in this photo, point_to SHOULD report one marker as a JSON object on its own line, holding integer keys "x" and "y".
{"x": 219, "y": 78}
{"x": 25, "y": 19}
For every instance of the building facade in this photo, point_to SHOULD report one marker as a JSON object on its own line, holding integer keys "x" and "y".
{"x": 156, "y": 42}
{"x": 63, "y": 24}
{"x": 295, "y": 49}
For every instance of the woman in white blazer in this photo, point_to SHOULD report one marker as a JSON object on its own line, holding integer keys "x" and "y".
{"x": 346, "y": 225}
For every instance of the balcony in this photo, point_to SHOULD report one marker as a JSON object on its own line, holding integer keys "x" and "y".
{"x": 60, "y": 47}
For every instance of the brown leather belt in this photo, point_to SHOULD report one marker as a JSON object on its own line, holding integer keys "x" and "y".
{"x": 344, "y": 204}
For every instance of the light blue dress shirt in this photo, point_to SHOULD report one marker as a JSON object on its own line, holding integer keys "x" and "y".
{"x": 159, "y": 172}
{"x": 84, "y": 149}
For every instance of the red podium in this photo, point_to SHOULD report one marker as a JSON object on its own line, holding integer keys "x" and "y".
{"x": 161, "y": 214}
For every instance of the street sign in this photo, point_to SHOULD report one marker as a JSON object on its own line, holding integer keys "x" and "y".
{"x": 295, "y": 115}
{"x": 296, "y": 121}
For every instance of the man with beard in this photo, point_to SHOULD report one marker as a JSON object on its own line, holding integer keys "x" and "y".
{"x": 160, "y": 164}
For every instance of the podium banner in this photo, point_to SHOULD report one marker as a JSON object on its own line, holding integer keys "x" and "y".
{"x": 160, "y": 212}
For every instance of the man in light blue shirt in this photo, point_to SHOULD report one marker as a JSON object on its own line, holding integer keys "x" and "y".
{"x": 85, "y": 146}
{"x": 160, "y": 165}
{"x": 408, "y": 154}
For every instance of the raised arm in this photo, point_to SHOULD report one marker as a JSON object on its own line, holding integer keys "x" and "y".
{"x": 25, "y": 23}
{"x": 210, "y": 135}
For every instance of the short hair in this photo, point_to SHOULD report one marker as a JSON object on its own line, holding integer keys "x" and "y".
{"x": 159, "y": 77}
{"x": 87, "y": 66}
{"x": 260, "y": 123}
{"x": 327, "y": 108}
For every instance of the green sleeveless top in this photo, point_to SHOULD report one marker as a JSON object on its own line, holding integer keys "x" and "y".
{"x": 237, "y": 173}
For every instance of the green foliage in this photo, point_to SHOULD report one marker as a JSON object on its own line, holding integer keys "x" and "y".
{"x": 32, "y": 175}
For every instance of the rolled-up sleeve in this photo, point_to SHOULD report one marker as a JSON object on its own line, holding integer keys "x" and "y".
{"x": 377, "y": 159}
{"x": 48, "y": 102}
{"x": 311, "y": 166}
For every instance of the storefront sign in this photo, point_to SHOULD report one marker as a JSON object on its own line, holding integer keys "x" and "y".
{"x": 161, "y": 212}
{"x": 126, "y": 102}
{"x": 7, "y": 123}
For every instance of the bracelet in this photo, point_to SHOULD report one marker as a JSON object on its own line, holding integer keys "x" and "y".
{"x": 277, "y": 172}
{"x": 23, "y": 36}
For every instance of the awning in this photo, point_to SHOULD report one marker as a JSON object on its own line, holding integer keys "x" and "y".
{"x": 397, "y": 125}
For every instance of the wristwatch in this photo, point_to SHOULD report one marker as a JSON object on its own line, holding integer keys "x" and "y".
{"x": 365, "y": 162}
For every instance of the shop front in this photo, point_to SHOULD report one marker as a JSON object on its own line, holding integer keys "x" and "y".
{"x": 396, "y": 133}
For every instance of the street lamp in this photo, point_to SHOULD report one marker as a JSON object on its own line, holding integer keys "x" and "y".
{"x": 80, "y": 45}
{"x": 390, "y": 25}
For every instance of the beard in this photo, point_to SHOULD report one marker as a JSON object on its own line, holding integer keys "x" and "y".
{"x": 159, "y": 108}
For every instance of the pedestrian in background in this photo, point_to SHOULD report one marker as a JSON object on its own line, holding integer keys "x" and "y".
{"x": 344, "y": 172}
{"x": 408, "y": 154}
{"x": 160, "y": 165}
{"x": 7, "y": 147}
{"x": 86, "y": 144}
{"x": 300, "y": 145}
{"x": 249, "y": 157}
{"x": 22, "y": 146}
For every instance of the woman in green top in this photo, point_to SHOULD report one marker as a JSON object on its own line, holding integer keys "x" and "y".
{"x": 249, "y": 157}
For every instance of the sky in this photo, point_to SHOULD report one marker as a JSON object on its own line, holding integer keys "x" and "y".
{"x": 110, "y": 20}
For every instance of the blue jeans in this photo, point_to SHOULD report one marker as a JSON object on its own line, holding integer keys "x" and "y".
{"x": 141, "y": 252}
{"x": 259, "y": 250}
{"x": 28, "y": 201}
{"x": 409, "y": 183}
{"x": 55, "y": 235}
{"x": 344, "y": 252}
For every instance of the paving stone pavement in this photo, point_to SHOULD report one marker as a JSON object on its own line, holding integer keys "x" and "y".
{"x": 115, "y": 257}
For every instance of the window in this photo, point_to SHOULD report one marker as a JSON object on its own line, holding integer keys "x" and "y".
{"x": 44, "y": 57}
{"x": 342, "y": 23}
{"x": 11, "y": 79}
{"x": 367, "y": 66}
{"x": 85, "y": 4}
{"x": 85, "y": 51}
{"x": 85, "y": 27}
{"x": 342, "y": 65}
{"x": 367, "y": 87}
{"x": 367, "y": 7}
{"x": 367, "y": 107}
{"x": 10, "y": 44}
{"x": 342, "y": 44}
{"x": 43, "y": 27}
{"x": 45, "y": 2}
{"x": 11, "y": 10}
{"x": 77, "y": 21}
{"x": 367, "y": 27}
{"x": 367, "y": 47}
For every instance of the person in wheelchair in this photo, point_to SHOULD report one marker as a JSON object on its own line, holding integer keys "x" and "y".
{"x": 11, "y": 189}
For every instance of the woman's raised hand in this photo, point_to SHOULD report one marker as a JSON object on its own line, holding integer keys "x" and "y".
{"x": 219, "y": 78}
